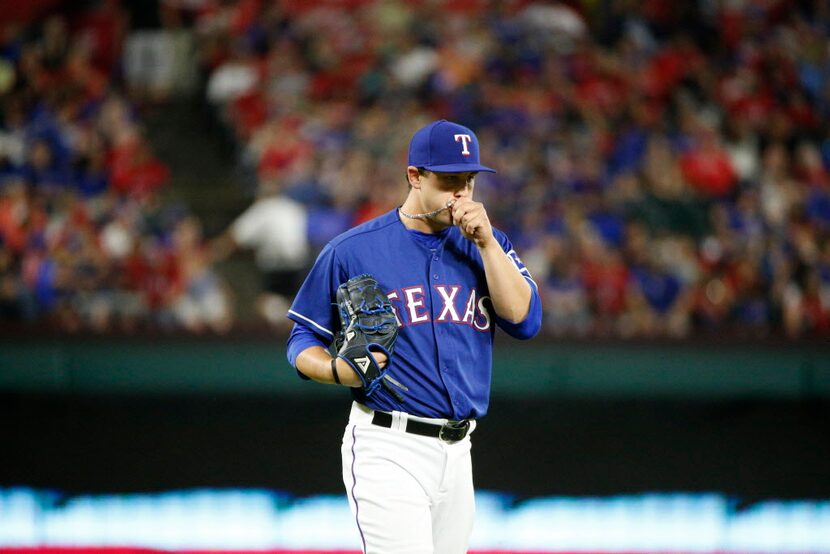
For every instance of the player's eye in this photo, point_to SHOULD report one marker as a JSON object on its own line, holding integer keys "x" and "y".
{"x": 456, "y": 182}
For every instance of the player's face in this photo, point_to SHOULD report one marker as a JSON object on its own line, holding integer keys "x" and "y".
{"x": 439, "y": 188}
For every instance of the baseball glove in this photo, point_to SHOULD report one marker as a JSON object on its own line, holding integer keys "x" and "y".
{"x": 368, "y": 325}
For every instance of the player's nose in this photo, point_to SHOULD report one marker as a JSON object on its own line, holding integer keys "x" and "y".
{"x": 463, "y": 190}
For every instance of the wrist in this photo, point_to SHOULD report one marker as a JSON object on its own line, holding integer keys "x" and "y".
{"x": 488, "y": 241}
{"x": 345, "y": 374}
{"x": 334, "y": 373}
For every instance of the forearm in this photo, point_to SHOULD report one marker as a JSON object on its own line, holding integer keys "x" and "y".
{"x": 315, "y": 363}
{"x": 509, "y": 290}
{"x": 221, "y": 247}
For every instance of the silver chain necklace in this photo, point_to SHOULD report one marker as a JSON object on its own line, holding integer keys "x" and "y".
{"x": 428, "y": 214}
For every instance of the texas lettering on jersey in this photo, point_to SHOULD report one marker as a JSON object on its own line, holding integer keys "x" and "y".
{"x": 411, "y": 306}
{"x": 443, "y": 356}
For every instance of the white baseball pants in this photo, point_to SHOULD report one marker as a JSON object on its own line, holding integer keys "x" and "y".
{"x": 409, "y": 494}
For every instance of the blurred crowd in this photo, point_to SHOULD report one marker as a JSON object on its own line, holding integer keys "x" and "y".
{"x": 87, "y": 241}
{"x": 663, "y": 166}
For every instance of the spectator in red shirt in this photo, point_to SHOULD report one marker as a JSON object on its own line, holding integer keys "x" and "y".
{"x": 137, "y": 172}
{"x": 707, "y": 167}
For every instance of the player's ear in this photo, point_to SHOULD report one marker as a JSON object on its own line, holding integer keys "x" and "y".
{"x": 413, "y": 176}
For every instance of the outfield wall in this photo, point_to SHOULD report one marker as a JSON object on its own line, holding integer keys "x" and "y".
{"x": 572, "y": 419}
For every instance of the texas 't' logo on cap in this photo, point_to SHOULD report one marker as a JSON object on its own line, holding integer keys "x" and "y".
{"x": 465, "y": 139}
{"x": 446, "y": 147}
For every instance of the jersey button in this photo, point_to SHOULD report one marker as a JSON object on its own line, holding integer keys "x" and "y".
{"x": 435, "y": 276}
{"x": 435, "y": 258}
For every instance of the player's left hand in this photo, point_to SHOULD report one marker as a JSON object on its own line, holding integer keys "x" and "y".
{"x": 471, "y": 219}
{"x": 369, "y": 327}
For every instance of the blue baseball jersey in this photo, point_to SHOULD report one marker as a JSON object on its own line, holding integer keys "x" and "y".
{"x": 442, "y": 361}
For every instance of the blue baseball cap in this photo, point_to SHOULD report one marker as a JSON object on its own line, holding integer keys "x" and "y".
{"x": 445, "y": 147}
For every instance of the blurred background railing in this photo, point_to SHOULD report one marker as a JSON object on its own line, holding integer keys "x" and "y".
{"x": 256, "y": 365}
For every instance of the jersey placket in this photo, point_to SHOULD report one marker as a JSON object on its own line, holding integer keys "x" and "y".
{"x": 443, "y": 366}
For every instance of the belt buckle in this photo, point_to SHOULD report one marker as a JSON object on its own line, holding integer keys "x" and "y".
{"x": 453, "y": 431}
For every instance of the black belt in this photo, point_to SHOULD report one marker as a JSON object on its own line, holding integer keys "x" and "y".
{"x": 451, "y": 431}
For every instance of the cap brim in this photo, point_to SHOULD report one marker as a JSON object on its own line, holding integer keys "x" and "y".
{"x": 459, "y": 168}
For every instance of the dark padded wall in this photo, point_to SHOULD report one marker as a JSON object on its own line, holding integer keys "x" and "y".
{"x": 752, "y": 449}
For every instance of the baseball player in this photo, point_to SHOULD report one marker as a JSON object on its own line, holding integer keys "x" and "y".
{"x": 411, "y": 300}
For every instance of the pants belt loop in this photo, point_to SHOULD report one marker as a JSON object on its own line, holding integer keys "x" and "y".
{"x": 398, "y": 421}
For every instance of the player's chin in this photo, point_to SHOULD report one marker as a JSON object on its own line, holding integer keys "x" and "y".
{"x": 444, "y": 218}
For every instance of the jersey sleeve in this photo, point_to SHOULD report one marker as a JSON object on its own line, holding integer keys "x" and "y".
{"x": 314, "y": 305}
{"x": 301, "y": 338}
{"x": 532, "y": 323}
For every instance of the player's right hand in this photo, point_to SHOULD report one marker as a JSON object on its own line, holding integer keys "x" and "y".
{"x": 471, "y": 219}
